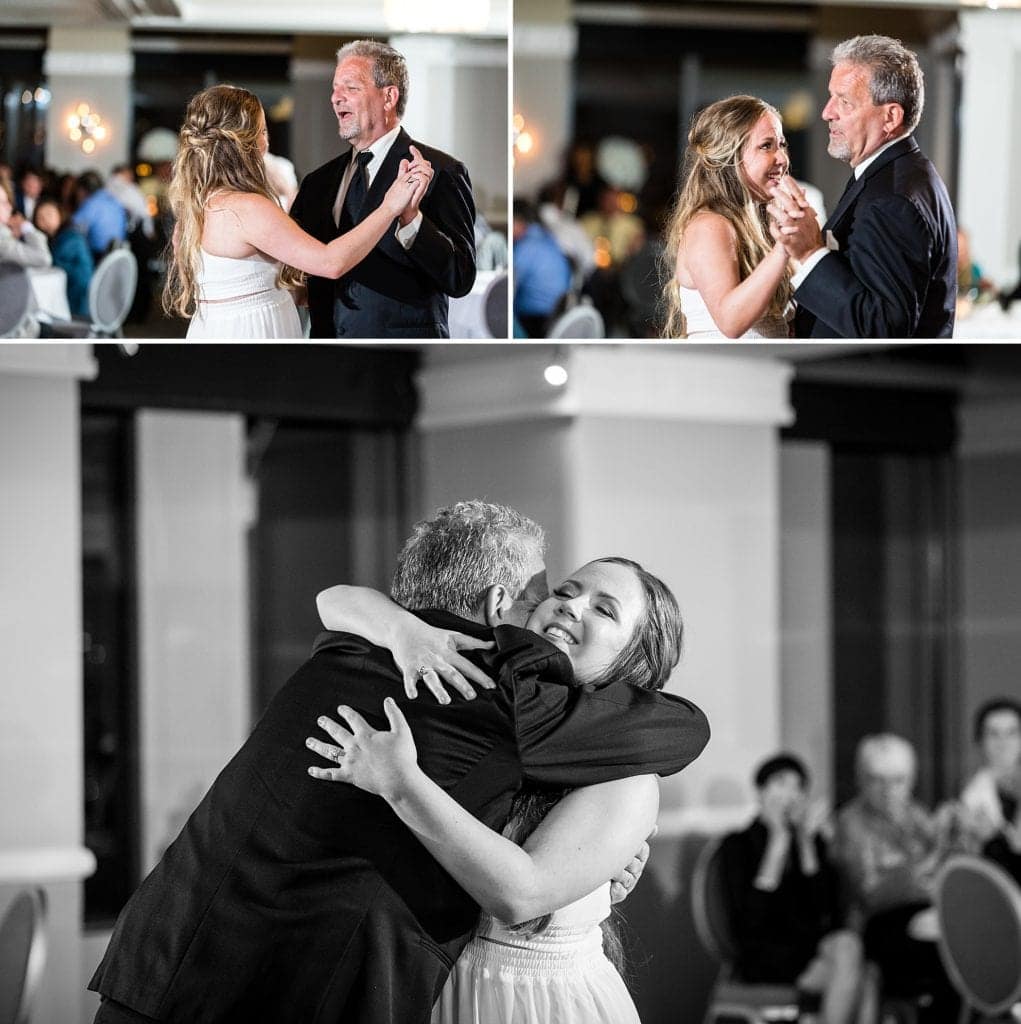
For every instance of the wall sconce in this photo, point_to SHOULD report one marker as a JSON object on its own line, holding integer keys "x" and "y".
{"x": 86, "y": 127}
{"x": 524, "y": 140}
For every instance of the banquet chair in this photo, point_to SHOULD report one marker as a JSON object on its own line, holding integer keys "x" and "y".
{"x": 754, "y": 1003}
{"x": 111, "y": 293}
{"x": 22, "y": 955}
{"x": 15, "y": 299}
{"x": 581, "y": 321}
{"x": 495, "y": 307}
{"x": 978, "y": 906}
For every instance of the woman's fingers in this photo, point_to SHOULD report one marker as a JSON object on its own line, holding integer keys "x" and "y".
{"x": 394, "y": 715}
{"x": 326, "y": 750}
{"x": 357, "y": 724}
{"x": 473, "y": 672}
{"x": 464, "y": 642}
{"x": 337, "y": 732}
{"x": 327, "y": 774}
{"x": 430, "y": 678}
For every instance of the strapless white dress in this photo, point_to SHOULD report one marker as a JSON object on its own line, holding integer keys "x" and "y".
{"x": 560, "y": 976}
{"x": 239, "y": 298}
{"x": 700, "y": 324}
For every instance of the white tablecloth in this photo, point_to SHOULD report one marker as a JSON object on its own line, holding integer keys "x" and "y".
{"x": 49, "y": 284}
{"x": 467, "y": 315}
{"x": 989, "y": 322}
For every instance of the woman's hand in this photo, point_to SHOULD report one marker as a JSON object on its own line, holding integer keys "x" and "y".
{"x": 430, "y": 655}
{"x": 404, "y": 195}
{"x": 373, "y": 760}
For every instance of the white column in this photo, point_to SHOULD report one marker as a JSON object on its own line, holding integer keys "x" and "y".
{"x": 314, "y": 138}
{"x": 544, "y": 96}
{"x": 41, "y": 729}
{"x": 90, "y": 65}
{"x": 667, "y": 457}
{"x": 989, "y": 204}
{"x": 457, "y": 102}
{"x": 193, "y": 512}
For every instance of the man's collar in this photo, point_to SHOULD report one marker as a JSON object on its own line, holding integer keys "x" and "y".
{"x": 864, "y": 165}
{"x": 381, "y": 146}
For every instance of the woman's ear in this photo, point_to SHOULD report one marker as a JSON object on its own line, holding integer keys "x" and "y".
{"x": 497, "y": 604}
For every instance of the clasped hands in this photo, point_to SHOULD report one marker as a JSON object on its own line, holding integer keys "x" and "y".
{"x": 412, "y": 183}
{"x": 792, "y": 221}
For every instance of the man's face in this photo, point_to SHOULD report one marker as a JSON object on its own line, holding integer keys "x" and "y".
{"x": 1001, "y": 740}
{"x": 364, "y": 111}
{"x": 783, "y": 794}
{"x": 32, "y": 185}
{"x": 535, "y": 591}
{"x": 858, "y": 127}
{"x": 886, "y": 783}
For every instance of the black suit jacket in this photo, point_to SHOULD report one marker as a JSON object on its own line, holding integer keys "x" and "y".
{"x": 289, "y": 899}
{"x": 393, "y": 293}
{"x": 895, "y": 275}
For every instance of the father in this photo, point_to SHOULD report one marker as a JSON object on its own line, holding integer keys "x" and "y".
{"x": 400, "y": 289}
{"x": 285, "y": 900}
{"x": 887, "y": 267}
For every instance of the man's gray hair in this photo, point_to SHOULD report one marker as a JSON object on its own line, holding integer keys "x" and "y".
{"x": 388, "y": 66}
{"x": 895, "y": 74}
{"x": 452, "y": 559}
{"x": 879, "y": 746}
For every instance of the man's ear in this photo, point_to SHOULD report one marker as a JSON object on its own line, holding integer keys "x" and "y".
{"x": 497, "y": 604}
{"x": 895, "y": 119}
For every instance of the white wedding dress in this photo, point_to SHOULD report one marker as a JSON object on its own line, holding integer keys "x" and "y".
{"x": 560, "y": 976}
{"x": 700, "y": 325}
{"x": 239, "y": 298}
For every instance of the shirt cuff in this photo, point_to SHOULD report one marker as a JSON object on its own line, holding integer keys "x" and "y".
{"x": 807, "y": 267}
{"x": 407, "y": 235}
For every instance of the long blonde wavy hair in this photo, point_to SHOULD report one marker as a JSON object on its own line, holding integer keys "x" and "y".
{"x": 218, "y": 151}
{"x": 713, "y": 181}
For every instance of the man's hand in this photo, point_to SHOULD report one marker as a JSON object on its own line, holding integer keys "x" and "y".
{"x": 17, "y": 224}
{"x": 623, "y": 883}
{"x": 423, "y": 171}
{"x": 793, "y": 221}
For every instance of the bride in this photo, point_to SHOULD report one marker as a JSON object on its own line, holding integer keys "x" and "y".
{"x": 236, "y": 254}
{"x": 729, "y": 279}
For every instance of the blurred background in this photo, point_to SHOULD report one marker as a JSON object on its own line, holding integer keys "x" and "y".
{"x": 604, "y": 94}
{"x": 102, "y": 85}
{"x": 841, "y": 525}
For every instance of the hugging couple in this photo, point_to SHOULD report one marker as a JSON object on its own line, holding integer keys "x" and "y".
{"x": 336, "y": 873}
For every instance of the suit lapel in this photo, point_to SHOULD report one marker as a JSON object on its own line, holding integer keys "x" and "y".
{"x": 385, "y": 177}
{"x": 849, "y": 198}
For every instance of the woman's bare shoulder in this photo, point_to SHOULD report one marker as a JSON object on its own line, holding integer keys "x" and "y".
{"x": 708, "y": 226}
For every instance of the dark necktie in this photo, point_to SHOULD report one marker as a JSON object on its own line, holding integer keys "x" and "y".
{"x": 356, "y": 191}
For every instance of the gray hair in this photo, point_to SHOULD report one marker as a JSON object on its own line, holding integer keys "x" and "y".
{"x": 452, "y": 559}
{"x": 388, "y": 66}
{"x": 871, "y": 748}
{"x": 894, "y": 71}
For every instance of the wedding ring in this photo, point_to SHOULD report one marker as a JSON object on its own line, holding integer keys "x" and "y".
{"x": 422, "y": 669}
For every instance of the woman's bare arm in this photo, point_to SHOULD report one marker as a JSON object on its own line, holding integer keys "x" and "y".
{"x": 586, "y": 839}
{"x": 709, "y": 254}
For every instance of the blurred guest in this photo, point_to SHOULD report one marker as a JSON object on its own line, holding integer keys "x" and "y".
{"x": 727, "y": 278}
{"x": 888, "y": 850}
{"x": 20, "y": 242}
{"x": 282, "y": 178}
{"x": 100, "y": 216}
{"x": 782, "y": 897}
{"x": 583, "y": 184}
{"x": 572, "y": 238}
{"x": 970, "y": 282}
{"x": 70, "y": 252}
{"x": 27, "y": 192}
{"x": 542, "y": 273}
{"x": 618, "y": 233}
{"x": 123, "y": 186}
{"x": 992, "y": 798}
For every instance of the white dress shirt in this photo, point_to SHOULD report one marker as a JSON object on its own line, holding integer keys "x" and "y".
{"x": 379, "y": 150}
{"x": 811, "y": 262}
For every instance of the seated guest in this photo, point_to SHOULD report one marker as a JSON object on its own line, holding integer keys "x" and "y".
{"x": 99, "y": 215}
{"x": 782, "y": 899}
{"x": 19, "y": 241}
{"x": 992, "y": 799}
{"x": 888, "y": 850}
{"x": 70, "y": 252}
{"x": 542, "y": 273}
{"x": 30, "y": 188}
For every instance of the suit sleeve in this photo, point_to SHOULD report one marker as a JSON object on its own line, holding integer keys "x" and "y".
{"x": 572, "y": 737}
{"x": 875, "y": 289}
{"x": 444, "y": 249}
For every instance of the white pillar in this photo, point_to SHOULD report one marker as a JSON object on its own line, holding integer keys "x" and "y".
{"x": 193, "y": 512}
{"x": 41, "y": 729}
{"x": 457, "y": 102}
{"x": 314, "y": 138}
{"x": 989, "y": 203}
{"x": 90, "y": 65}
{"x": 544, "y": 96}
{"x": 667, "y": 457}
